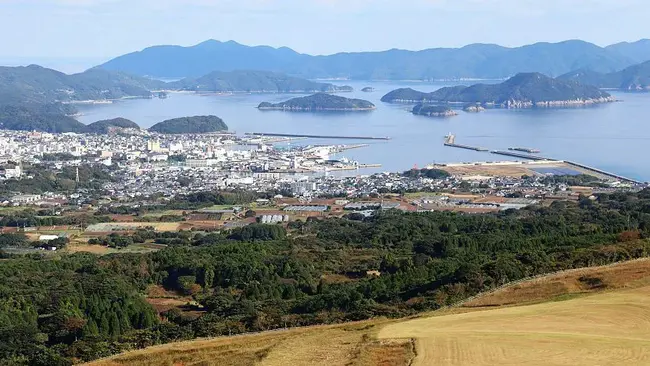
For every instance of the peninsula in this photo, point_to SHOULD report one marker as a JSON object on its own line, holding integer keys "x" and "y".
{"x": 254, "y": 82}
{"x": 195, "y": 124}
{"x": 319, "y": 102}
{"x": 525, "y": 90}
{"x": 433, "y": 111}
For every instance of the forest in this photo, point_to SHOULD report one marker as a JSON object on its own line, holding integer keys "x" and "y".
{"x": 68, "y": 308}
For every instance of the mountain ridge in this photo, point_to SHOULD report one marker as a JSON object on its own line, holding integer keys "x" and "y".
{"x": 488, "y": 61}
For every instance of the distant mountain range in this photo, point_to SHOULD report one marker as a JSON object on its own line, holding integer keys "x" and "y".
{"x": 521, "y": 91}
{"x": 633, "y": 78}
{"x": 486, "y": 61}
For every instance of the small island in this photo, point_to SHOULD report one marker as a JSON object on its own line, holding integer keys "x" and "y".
{"x": 111, "y": 125}
{"x": 433, "y": 111}
{"x": 195, "y": 124}
{"x": 525, "y": 90}
{"x": 319, "y": 102}
{"x": 368, "y": 89}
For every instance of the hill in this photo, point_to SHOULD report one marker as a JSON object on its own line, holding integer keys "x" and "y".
{"x": 254, "y": 82}
{"x": 36, "y": 84}
{"x": 472, "y": 61}
{"x": 320, "y": 102}
{"x": 31, "y": 97}
{"x": 375, "y": 342}
{"x": 195, "y": 124}
{"x": 633, "y": 78}
{"x": 262, "y": 277}
{"x": 54, "y": 118}
{"x": 520, "y": 91}
{"x": 109, "y": 125}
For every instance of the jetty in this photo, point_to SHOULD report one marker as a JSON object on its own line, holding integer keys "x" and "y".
{"x": 316, "y": 136}
{"x": 450, "y": 140}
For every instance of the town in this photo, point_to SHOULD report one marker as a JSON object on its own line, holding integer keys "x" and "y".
{"x": 134, "y": 172}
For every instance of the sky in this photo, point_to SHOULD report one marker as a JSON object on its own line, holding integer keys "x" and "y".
{"x": 85, "y": 32}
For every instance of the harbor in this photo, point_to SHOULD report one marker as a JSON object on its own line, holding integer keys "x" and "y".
{"x": 533, "y": 164}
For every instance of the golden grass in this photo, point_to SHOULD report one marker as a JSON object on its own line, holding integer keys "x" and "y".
{"x": 574, "y": 282}
{"x": 348, "y": 344}
{"x": 611, "y": 328}
{"x": 87, "y": 248}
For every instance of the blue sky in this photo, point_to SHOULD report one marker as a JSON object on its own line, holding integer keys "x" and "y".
{"x": 88, "y": 31}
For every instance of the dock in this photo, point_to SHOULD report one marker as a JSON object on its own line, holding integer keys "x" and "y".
{"x": 523, "y": 156}
{"x": 450, "y": 141}
{"x": 334, "y": 137}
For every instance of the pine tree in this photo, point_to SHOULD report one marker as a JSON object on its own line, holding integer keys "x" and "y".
{"x": 91, "y": 329}
{"x": 104, "y": 326}
{"x": 115, "y": 330}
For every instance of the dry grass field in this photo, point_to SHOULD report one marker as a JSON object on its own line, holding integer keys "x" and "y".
{"x": 611, "y": 328}
{"x": 569, "y": 283}
{"x": 603, "y": 320}
{"x": 342, "y": 345}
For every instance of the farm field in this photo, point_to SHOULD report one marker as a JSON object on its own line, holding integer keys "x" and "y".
{"x": 590, "y": 316}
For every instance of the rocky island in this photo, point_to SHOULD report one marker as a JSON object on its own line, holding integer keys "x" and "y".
{"x": 319, "y": 102}
{"x": 433, "y": 111}
{"x": 368, "y": 89}
{"x": 195, "y": 124}
{"x": 525, "y": 90}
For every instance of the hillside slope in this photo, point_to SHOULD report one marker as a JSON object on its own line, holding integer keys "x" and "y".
{"x": 576, "y": 334}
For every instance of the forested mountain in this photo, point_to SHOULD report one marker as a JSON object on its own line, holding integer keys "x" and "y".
{"x": 195, "y": 124}
{"x": 633, "y": 78}
{"x": 320, "y": 102}
{"x": 254, "y": 82}
{"x": 472, "y": 61}
{"x": 522, "y": 90}
{"x": 36, "y": 84}
{"x": 52, "y": 117}
{"x": 77, "y": 307}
